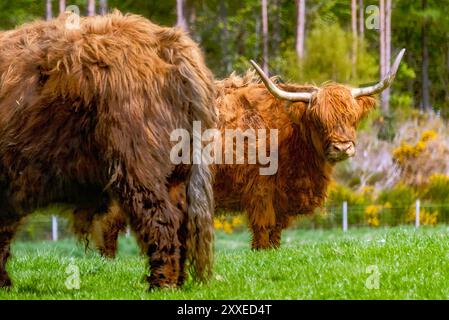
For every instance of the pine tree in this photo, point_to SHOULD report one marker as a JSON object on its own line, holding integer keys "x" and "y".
{"x": 90, "y": 7}
{"x": 265, "y": 35}
{"x": 300, "y": 27}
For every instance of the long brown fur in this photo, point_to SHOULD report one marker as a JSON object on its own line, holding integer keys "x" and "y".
{"x": 305, "y": 131}
{"x": 85, "y": 119}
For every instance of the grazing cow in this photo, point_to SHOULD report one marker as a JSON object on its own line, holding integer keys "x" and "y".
{"x": 85, "y": 120}
{"x": 316, "y": 129}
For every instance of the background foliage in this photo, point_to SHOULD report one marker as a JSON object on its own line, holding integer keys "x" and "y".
{"x": 401, "y": 156}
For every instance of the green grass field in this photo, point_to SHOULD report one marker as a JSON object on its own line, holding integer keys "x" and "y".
{"x": 411, "y": 264}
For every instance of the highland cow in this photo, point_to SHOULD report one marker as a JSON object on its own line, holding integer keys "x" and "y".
{"x": 85, "y": 119}
{"x": 317, "y": 129}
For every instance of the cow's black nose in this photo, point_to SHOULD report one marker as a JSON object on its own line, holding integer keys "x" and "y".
{"x": 342, "y": 147}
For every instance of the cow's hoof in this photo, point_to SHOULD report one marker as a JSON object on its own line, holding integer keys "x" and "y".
{"x": 5, "y": 282}
{"x": 162, "y": 287}
{"x": 156, "y": 284}
{"x": 107, "y": 254}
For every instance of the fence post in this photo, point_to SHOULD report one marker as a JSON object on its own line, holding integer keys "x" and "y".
{"x": 54, "y": 228}
{"x": 345, "y": 216}
{"x": 417, "y": 210}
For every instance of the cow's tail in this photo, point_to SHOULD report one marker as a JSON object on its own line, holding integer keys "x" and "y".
{"x": 200, "y": 239}
{"x": 200, "y": 92}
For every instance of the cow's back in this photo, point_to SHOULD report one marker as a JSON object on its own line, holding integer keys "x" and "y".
{"x": 79, "y": 105}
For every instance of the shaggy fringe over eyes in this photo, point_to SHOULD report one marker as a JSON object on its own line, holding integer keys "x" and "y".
{"x": 344, "y": 107}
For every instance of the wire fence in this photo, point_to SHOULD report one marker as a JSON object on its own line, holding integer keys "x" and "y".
{"x": 353, "y": 216}
{"x": 45, "y": 227}
{"x": 343, "y": 215}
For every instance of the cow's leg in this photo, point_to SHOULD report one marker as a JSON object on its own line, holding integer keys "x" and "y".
{"x": 182, "y": 236}
{"x": 81, "y": 223}
{"x": 275, "y": 236}
{"x": 8, "y": 228}
{"x": 110, "y": 239}
{"x": 165, "y": 248}
{"x": 106, "y": 229}
{"x": 260, "y": 237}
{"x": 106, "y": 239}
{"x": 282, "y": 222}
{"x": 178, "y": 196}
{"x": 83, "y": 218}
{"x": 156, "y": 223}
{"x": 261, "y": 214}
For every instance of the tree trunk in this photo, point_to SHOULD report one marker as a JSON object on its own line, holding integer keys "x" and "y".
{"x": 181, "y": 20}
{"x": 413, "y": 63}
{"x": 361, "y": 19}
{"x": 190, "y": 12}
{"x": 90, "y": 7}
{"x": 103, "y": 7}
{"x": 354, "y": 37}
{"x": 300, "y": 27}
{"x": 48, "y": 10}
{"x": 387, "y": 53}
{"x": 425, "y": 102}
{"x": 276, "y": 30}
{"x": 61, "y": 6}
{"x": 265, "y": 35}
{"x": 383, "y": 68}
{"x": 225, "y": 37}
{"x": 257, "y": 34}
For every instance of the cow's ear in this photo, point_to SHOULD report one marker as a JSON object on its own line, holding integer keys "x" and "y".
{"x": 295, "y": 110}
{"x": 366, "y": 104}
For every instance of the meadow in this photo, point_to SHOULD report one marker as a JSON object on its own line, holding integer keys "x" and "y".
{"x": 366, "y": 263}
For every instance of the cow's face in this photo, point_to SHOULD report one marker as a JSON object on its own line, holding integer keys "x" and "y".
{"x": 332, "y": 112}
{"x": 334, "y": 115}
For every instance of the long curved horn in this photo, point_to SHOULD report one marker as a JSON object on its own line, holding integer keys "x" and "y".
{"x": 278, "y": 93}
{"x": 382, "y": 85}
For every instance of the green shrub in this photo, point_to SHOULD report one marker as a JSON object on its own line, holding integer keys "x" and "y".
{"x": 338, "y": 193}
{"x": 437, "y": 193}
{"x": 400, "y": 196}
{"x": 398, "y": 199}
{"x": 437, "y": 190}
{"x": 333, "y": 64}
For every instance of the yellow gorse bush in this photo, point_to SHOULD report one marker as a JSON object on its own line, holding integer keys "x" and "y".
{"x": 229, "y": 224}
{"x": 428, "y": 135}
{"x": 426, "y": 217}
{"x": 373, "y": 212}
{"x": 406, "y": 151}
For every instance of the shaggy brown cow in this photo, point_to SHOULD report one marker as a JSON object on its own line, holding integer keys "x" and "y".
{"x": 317, "y": 128}
{"x": 85, "y": 119}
